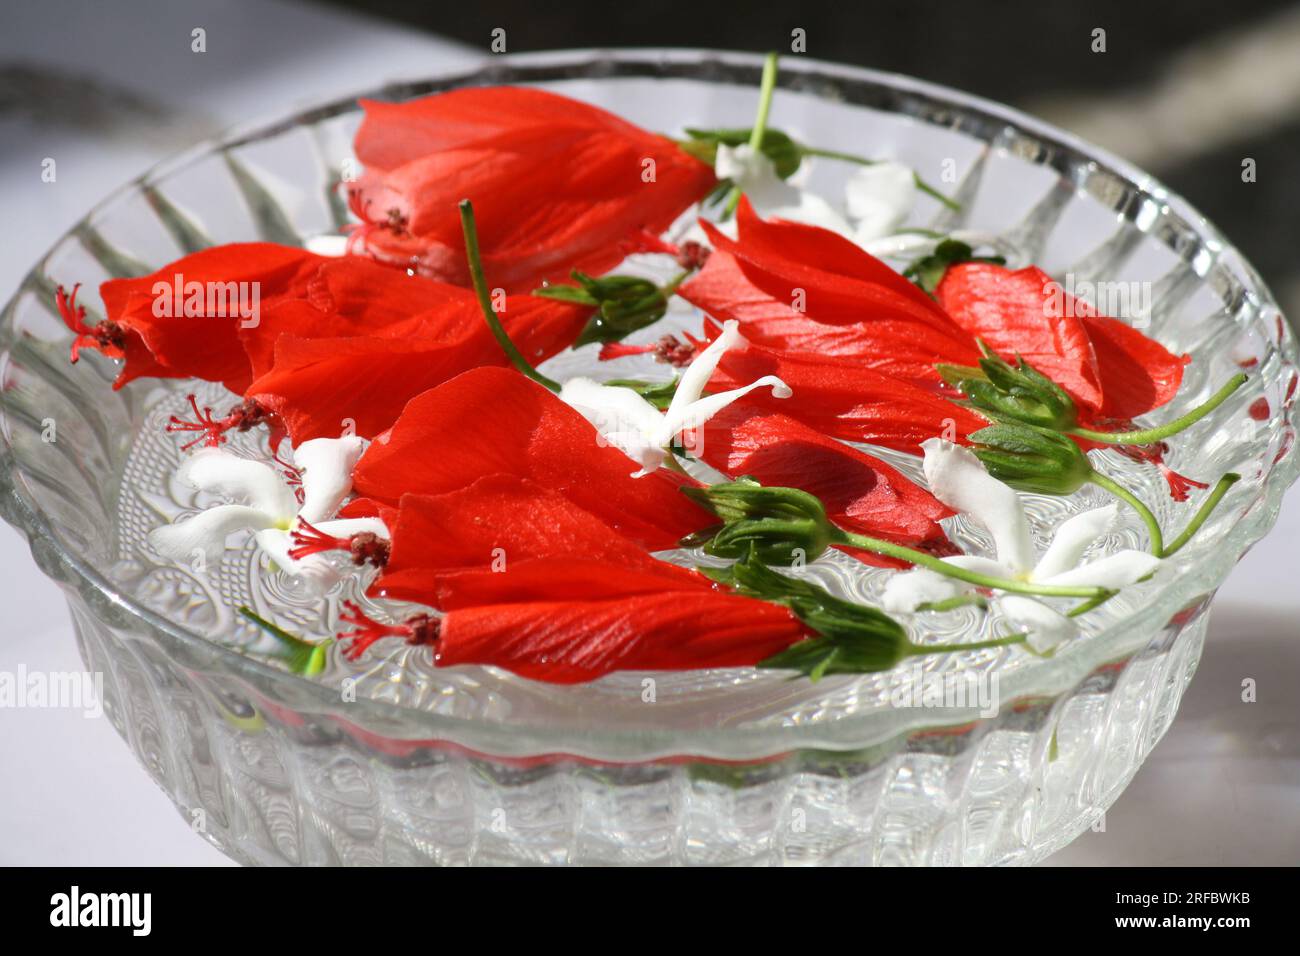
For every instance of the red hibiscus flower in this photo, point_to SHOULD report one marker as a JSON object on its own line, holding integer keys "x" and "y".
{"x": 861, "y": 493}
{"x": 183, "y": 321}
{"x": 320, "y": 386}
{"x": 503, "y": 539}
{"x": 1111, "y": 369}
{"x": 495, "y": 421}
{"x": 557, "y": 184}
{"x": 537, "y": 585}
{"x": 796, "y": 288}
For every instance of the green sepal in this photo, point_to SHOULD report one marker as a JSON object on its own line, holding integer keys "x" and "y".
{"x": 1032, "y": 459}
{"x": 928, "y": 271}
{"x": 783, "y": 526}
{"x": 1017, "y": 393}
{"x": 623, "y": 304}
{"x": 852, "y": 638}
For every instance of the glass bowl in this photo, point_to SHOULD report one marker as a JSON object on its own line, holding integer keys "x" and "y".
{"x": 393, "y": 761}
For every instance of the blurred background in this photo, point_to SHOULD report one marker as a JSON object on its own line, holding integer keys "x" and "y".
{"x": 1188, "y": 90}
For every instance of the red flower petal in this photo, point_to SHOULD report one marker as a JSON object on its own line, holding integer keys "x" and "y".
{"x": 491, "y": 420}
{"x": 1138, "y": 374}
{"x": 504, "y": 539}
{"x": 205, "y": 346}
{"x": 321, "y": 386}
{"x": 861, "y": 493}
{"x": 798, "y": 288}
{"x": 556, "y": 184}
{"x": 846, "y": 400}
{"x": 1026, "y": 313}
{"x": 574, "y": 641}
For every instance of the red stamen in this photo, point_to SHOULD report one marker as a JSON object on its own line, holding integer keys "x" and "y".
{"x": 1154, "y": 454}
{"x": 107, "y": 336}
{"x": 364, "y": 546}
{"x": 668, "y": 349}
{"x": 422, "y": 629}
{"x": 212, "y": 431}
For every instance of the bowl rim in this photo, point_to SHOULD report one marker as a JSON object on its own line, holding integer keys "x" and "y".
{"x": 1043, "y": 678}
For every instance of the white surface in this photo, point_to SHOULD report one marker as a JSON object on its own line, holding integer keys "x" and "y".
{"x": 1222, "y": 788}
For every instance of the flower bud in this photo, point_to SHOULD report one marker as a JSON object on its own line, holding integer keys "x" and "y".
{"x": 1032, "y": 459}
{"x": 782, "y": 526}
{"x": 1018, "y": 393}
{"x": 623, "y": 304}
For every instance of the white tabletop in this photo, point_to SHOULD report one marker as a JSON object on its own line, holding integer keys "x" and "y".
{"x": 1223, "y": 787}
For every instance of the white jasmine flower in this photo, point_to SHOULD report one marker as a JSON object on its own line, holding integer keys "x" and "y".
{"x": 959, "y": 480}
{"x": 772, "y": 196}
{"x": 879, "y": 197}
{"x": 263, "y": 502}
{"x": 638, "y": 429}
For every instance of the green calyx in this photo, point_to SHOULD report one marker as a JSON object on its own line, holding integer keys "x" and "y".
{"x": 852, "y": 638}
{"x": 1032, "y": 459}
{"x": 782, "y": 526}
{"x": 623, "y": 304}
{"x": 1012, "y": 393}
{"x": 784, "y": 152}
{"x": 928, "y": 271}
{"x": 658, "y": 394}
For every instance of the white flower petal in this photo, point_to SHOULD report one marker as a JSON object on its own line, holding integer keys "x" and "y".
{"x": 907, "y": 591}
{"x": 1113, "y": 571}
{"x": 916, "y": 243}
{"x": 206, "y": 532}
{"x": 622, "y": 417}
{"x": 756, "y": 176}
{"x": 697, "y": 413}
{"x": 1072, "y": 538}
{"x": 691, "y": 384}
{"x": 327, "y": 245}
{"x": 260, "y": 486}
{"x": 1047, "y": 628}
{"x": 959, "y": 480}
{"x": 326, "y": 465}
{"x": 811, "y": 210}
{"x": 880, "y": 197}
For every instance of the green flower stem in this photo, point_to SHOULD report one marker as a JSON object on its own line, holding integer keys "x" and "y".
{"x": 952, "y": 603}
{"x": 1090, "y": 604}
{"x": 1119, "y": 491}
{"x": 1149, "y": 436}
{"x": 921, "y": 184}
{"x": 766, "y": 89}
{"x": 917, "y": 649}
{"x": 475, "y": 260}
{"x": 1198, "y": 519}
{"x": 920, "y": 558}
{"x": 670, "y": 289}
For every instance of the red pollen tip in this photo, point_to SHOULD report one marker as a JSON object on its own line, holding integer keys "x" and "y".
{"x": 422, "y": 629}
{"x": 365, "y": 547}
{"x": 107, "y": 336}
{"x": 212, "y": 431}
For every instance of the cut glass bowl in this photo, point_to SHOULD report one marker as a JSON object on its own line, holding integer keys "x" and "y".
{"x": 390, "y": 760}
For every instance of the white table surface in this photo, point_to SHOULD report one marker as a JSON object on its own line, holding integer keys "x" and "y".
{"x": 1223, "y": 787}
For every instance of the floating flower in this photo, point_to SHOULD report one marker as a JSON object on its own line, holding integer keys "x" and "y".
{"x": 558, "y": 184}
{"x": 263, "y": 502}
{"x": 638, "y": 429}
{"x": 495, "y": 421}
{"x": 959, "y": 480}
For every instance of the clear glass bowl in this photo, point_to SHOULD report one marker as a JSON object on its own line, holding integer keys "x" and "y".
{"x": 418, "y": 765}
